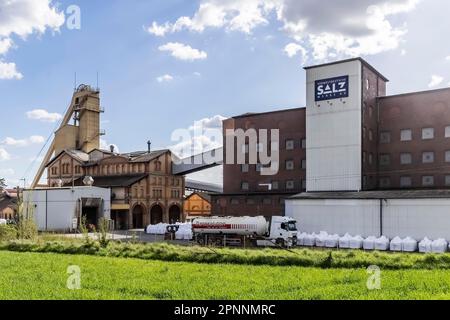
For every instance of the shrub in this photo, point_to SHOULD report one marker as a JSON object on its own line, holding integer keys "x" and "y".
{"x": 8, "y": 233}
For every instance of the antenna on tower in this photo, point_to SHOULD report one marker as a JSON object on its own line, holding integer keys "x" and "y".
{"x": 98, "y": 88}
{"x": 75, "y": 82}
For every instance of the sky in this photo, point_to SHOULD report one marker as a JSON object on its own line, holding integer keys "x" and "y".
{"x": 164, "y": 65}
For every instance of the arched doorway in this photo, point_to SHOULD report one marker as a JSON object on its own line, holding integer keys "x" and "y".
{"x": 138, "y": 217}
{"x": 174, "y": 214}
{"x": 156, "y": 214}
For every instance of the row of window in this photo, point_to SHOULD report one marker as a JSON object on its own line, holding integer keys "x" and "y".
{"x": 290, "y": 144}
{"x": 289, "y": 165}
{"x": 406, "y": 158}
{"x": 254, "y": 201}
{"x": 407, "y": 135}
{"x": 407, "y": 181}
{"x": 275, "y": 185}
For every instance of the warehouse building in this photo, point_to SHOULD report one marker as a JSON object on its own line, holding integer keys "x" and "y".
{"x": 351, "y": 143}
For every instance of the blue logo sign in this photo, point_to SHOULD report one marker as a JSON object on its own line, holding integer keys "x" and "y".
{"x": 333, "y": 88}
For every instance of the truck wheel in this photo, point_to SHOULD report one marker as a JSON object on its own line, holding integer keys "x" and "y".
{"x": 281, "y": 243}
{"x": 219, "y": 242}
{"x": 201, "y": 241}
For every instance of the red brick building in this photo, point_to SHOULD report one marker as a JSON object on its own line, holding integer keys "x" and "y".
{"x": 405, "y": 142}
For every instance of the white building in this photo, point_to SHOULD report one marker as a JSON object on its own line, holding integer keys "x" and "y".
{"x": 60, "y": 209}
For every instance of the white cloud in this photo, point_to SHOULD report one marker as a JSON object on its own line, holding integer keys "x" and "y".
{"x": 8, "y": 71}
{"x": 335, "y": 28}
{"x": 292, "y": 49}
{"x": 5, "y": 45}
{"x": 447, "y": 58}
{"x": 204, "y": 135}
{"x": 104, "y": 145}
{"x": 435, "y": 81}
{"x": 403, "y": 52}
{"x": 4, "y": 155}
{"x": 183, "y": 52}
{"x": 197, "y": 74}
{"x": 164, "y": 78}
{"x": 43, "y": 115}
{"x": 23, "y": 142}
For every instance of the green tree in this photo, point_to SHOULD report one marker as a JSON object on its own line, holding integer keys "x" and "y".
{"x": 2, "y": 184}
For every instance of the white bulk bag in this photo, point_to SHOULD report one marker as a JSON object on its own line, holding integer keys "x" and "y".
{"x": 382, "y": 244}
{"x": 344, "y": 242}
{"x": 3, "y": 222}
{"x": 309, "y": 240}
{"x": 409, "y": 245}
{"x": 369, "y": 243}
{"x": 356, "y": 242}
{"x": 301, "y": 236}
{"x": 425, "y": 246}
{"x": 321, "y": 238}
{"x": 331, "y": 241}
{"x": 396, "y": 244}
{"x": 439, "y": 246}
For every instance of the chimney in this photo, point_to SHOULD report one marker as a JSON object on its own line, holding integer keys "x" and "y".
{"x": 111, "y": 147}
{"x": 149, "y": 144}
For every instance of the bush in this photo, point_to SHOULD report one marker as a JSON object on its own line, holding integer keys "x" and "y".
{"x": 8, "y": 233}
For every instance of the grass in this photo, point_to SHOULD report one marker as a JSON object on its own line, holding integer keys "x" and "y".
{"x": 44, "y": 276}
{"x": 266, "y": 257}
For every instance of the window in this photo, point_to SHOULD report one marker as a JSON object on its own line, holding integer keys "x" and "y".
{"x": 385, "y": 159}
{"x": 428, "y": 157}
{"x": 234, "y": 201}
{"x": 447, "y": 132}
{"x": 364, "y": 156}
{"x": 428, "y": 181}
{"x": 303, "y": 143}
{"x": 304, "y": 184}
{"x": 405, "y": 158}
{"x": 427, "y": 133}
{"x": 370, "y": 158}
{"x": 290, "y": 185}
{"x": 385, "y": 137}
{"x": 290, "y": 144}
{"x": 250, "y": 201}
{"x": 245, "y": 186}
{"x": 370, "y": 111}
{"x": 275, "y": 185}
{"x": 258, "y": 167}
{"x": 245, "y": 148}
{"x": 406, "y": 135}
{"x": 447, "y": 156}
{"x": 267, "y": 201}
{"x": 367, "y": 84}
{"x": 447, "y": 181}
{"x": 260, "y": 147}
{"x": 290, "y": 165}
{"x": 405, "y": 182}
{"x": 304, "y": 164}
{"x": 385, "y": 182}
{"x": 245, "y": 168}
{"x": 364, "y": 132}
{"x": 370, "y": 135}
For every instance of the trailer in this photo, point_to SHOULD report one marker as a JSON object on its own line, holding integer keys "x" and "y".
{"x": 245, "y": 231}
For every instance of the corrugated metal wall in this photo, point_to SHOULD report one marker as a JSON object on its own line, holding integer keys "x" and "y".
{"x": 416, "y": 218}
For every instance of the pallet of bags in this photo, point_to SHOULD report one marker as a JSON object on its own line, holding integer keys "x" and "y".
{"x": 439, "y": 246}
{"x": 425, "y": 246}
{"x": 396, "y": 244}
{"x": 369, "y": 243}
{"x": 382, "y": 244}
{"x": 356, "y": 242}
{"x": 332, "y": 241}
{"x": 409, "y": 245}
{"x": 309, "y": 240}
{"x": 320, "y": 239}
{"x": 344, "y": 242}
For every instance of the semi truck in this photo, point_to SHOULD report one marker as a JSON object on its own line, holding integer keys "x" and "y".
{"x": 242, "y": 231}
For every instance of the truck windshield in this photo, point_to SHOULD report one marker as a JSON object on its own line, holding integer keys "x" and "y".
{"x": 291, "y": 226}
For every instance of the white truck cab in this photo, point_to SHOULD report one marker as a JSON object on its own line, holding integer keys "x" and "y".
{"x": 283, "y": 230}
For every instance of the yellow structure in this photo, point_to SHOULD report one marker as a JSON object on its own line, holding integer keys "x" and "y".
{"x": 84, "y": 134}
{"x": 197, "y": 205}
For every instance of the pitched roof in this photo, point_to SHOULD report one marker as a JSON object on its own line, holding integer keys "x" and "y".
{"x": 114, "y": 181}
{"x": 202, "y": 195}
{"x": 76, "y": 154}
{"x": 146, "y": 157}
{"x": 7, "y": 201}
{"x": 203, "y": 186}
{"x": 376, "y": 195}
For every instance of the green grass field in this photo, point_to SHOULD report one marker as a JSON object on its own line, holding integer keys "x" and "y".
{"x": 44, "y": 276}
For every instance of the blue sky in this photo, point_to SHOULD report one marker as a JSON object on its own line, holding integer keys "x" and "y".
{"x": 237, "y": 61}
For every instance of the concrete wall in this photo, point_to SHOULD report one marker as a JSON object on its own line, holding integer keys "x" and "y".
{"x": 333, "y": 132}
{"x": 55, "y": 209}
{"x": 416, "y": 218}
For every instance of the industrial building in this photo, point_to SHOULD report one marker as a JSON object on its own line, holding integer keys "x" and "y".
{"x": 61, "y": 209}
{"x": 351, "y": 147}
